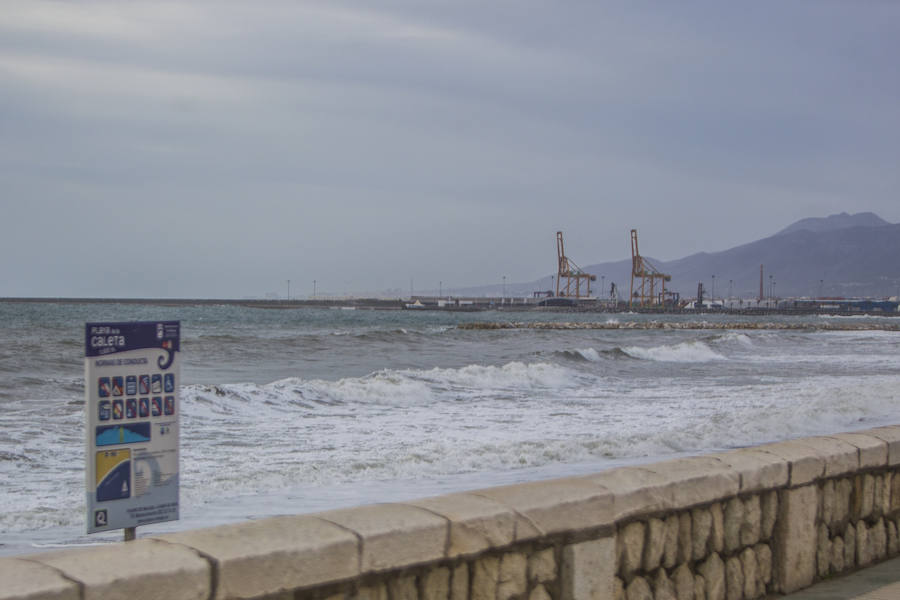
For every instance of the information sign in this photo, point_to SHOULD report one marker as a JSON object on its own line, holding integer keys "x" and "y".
{"x": 131, "y": 373}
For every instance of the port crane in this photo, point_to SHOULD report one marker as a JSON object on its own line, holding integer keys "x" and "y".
{"x": 572, "y": 274}
{"x": 648, "y": 274}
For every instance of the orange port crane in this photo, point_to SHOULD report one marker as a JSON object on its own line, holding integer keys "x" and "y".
{"x": 572, "y": 273}
{"x": 643, "y": 268}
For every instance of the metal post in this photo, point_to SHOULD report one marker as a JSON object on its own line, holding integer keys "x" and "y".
{"x": 130, "y": 534}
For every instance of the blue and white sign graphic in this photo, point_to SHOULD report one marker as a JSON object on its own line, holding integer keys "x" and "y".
{"x": 131, "y": 474}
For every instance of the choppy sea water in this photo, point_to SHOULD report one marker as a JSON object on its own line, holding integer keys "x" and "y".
{"x": 298, "y": 410}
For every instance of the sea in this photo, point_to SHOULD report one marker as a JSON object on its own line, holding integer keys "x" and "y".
{"x": 297, "y": 410}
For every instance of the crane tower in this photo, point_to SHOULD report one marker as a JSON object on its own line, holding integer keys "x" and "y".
{"x": 572, "y": 274}
{"x": 648, "y": 274}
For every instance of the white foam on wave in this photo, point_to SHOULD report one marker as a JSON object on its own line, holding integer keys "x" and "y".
{"x": 589, "y": 354}
{"x": 685, "y": 352}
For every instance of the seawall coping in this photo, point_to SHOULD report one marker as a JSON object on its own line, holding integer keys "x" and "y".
{"x": 476, "y": 523}
{"x": 890, "y": 435}
{"x": 806, "y": 465}
{"x": 697, "y": 480}
{"x": 873, "y": 452}
{"x": 146, "y": 568}
{"x": 557, "y": 506}
{"x": 271, "y": 555}
{"x": 393, "y": 536}
{"x": 840, "y": 457}
{"x": 635, "y": 490}
{"x": 23, "y": 579}
{"x": 758, "y": 470}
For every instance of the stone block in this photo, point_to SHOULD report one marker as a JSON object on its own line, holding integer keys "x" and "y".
{"x": 734, "y": 579}
{"x": 655, "y": 545}
{"x": 459, "y": 582}
{"x": 685, "y": 538}
{"x": 630, "y": 549}
{"x": 734, "y": 519}
{"x": 769, "y": 507}
{"x": 863, "y": 549}
{"x": 840, "y": 457}
{"x": 26, "y": 580}
{"x": 636, "y": 491}
{"x": 485, "y": 577}
{"x": 891, "y": 436}
{"x": 713, "y": 572}
{"x": 837, "y": 554}
{"x": 513, "y": 580}
{"x": 128, "y": 570}
{"x": 753, "y": 586}
{"x": 873, "y": 452}
{"x": 702, "y": 529}
{"x": 878, "y": 535}
{"x": 895, "y": 492}
{"x": 402, "y": 588}
{"x": 588, "y": 569}
{"x": 670, "y": 555}
{"x": 878, "y": 500}
{"x": 764, "y": 562}
{"x": 823, "y": 551}
{"x": 393, "y": 536}
{"x": 683, "y": 579}
{"x": 638, "y": 589}
{"x": 863, "y": 496}
{"x": 618, "y": 589}
{"x": 843, "y": 492}
{"x": 827, "y": 499}
{"x": 436, "y": 584}
{"x": 542, "y": 566}
{"x": 476, "y": 523}
{"x": 892, "y": 538}
{"x": 376, "y": 591}
{"x": 758, "y": 470}
{"x": 663, "y": 588}
{"x": 556, "y": 506}
{"x": 849, "y": 546}
{"x": 539, "y": 593}
{"x": 717, "y": 534}
{"x": 699, "y": 587}
{"x": 751, "y": 527}
{"x": 697, "y": 480}
{"x": 795, "y": 539}
{"x": 806, "y": 465}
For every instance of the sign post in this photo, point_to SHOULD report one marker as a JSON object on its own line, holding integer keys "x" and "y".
{"x": 131, "y": 373}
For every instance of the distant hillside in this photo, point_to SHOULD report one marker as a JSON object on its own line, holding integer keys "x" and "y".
{"x": 840, "y": 255}
{"x": 835, "y": 222}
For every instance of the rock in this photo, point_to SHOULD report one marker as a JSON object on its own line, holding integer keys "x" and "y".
{"x": 699, "y": 587}
{"x": 539, "y": 593}
{"x": 376, "y": 591}
{"x": 734, "y": 518}
{"x": 638, "y": 589}
{"x": 863, "y": 551}
{"x": 542, "y": 566}
{"x": 436, "y": 584}
{"x": 663, "y": 588}
{"x": 764, "y": 562}
{"x": 670, "y": 555}
{"x": 823, "y": 551}
{"x": 513, "y": 576}
{"x": 751, "y": 528}
{"x": 837, "y": 554}
{"x": 485, "y": 577}
{"x": 878, "y": 540}
{"x": 459, "y": 583}
{"x": 734, "y": 579}
{"x": 684, "y": 583}
{"x": 828, "y": 502}
{"x": 878, "y": 498}
{"x": 702, "y": 528}
{"x": 895, "y": 493}
{"x": 893, "y": 540}
{"x": 656, "y": 544}
{"x": 685, "y": 541}
{"x": 717, "y": 536}
{"x": 843, "y": 488}
{"x": 849, "y": 546}
{"x": 403, "y": 588}
{"x": 630, "y": 543}
{"x": 863, "y": 496}
{"x": 753, "y": 586}
{"x": 795, "y": 539}
{"x": 713, "y": 572}
{"x": 769, "y": 506}
{"x": 618, "y": 589}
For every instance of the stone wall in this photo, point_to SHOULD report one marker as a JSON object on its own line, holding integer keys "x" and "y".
{"x": 732, "y": 526}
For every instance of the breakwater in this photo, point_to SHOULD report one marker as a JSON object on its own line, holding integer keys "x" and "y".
{"x": 736, "y": 525}
{"x": 687, "y": 325}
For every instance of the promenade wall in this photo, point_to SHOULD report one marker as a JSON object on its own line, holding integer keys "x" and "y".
{"x": 730, "y": 526}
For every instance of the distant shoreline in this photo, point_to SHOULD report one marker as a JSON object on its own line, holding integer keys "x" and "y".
{"x": 472, "y": 305}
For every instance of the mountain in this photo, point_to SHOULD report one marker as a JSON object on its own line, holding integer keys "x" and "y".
{"x": 840, "y": 255}
{"x": 835, "y": 222}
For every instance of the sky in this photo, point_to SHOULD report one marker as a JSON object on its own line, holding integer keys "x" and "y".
{"x": 221, "y": 149}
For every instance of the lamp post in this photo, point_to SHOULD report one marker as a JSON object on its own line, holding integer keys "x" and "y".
{"x": 713, "y": 298}
{"x": 289, "y": 290}
{"x": 314, "y": 289}
{"x": 504, "y": 288}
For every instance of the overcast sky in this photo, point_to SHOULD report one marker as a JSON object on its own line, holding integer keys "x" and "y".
{"x": 218, "y": 149}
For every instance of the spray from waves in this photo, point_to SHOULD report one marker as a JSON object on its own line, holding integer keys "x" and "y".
{"x": 685, "y": 352}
